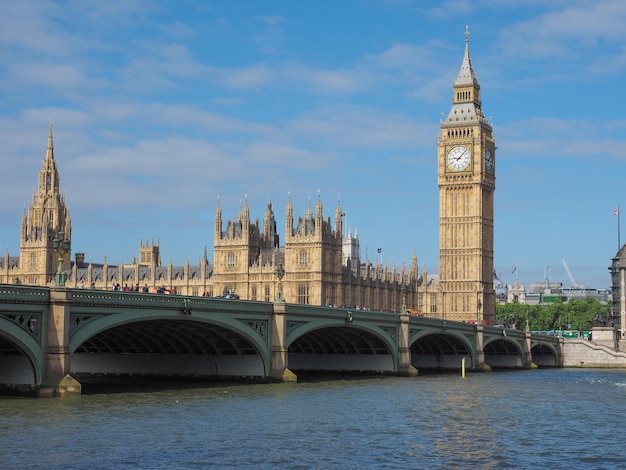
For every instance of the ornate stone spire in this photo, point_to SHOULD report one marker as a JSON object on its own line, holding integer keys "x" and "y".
{"x": 466, "y": 105}
{"x": 217, "y": 227}
{"x": 466, "y": 74}
{"x": 289, "y": 218}
{"x": 339, "y": 220}
{"x": 49, "y": 175}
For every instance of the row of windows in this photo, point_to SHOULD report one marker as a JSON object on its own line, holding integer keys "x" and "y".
{"x": 231, "y": 260}
{"x": 463, "y": 95}
{"x": 458, "y": 133}
{"x": 254, "y": 294}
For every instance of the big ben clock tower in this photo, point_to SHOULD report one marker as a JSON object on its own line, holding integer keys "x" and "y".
{"x": 466, "y": 177}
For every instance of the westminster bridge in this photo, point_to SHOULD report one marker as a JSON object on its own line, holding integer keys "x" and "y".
{"x": 51, "y": 337}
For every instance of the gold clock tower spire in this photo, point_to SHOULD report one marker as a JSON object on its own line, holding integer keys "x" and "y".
{"x": 466, "y": 176}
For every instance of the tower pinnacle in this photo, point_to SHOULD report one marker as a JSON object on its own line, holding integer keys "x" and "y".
{"x": 466, "y": 74}
{"x": 50, "y": 148}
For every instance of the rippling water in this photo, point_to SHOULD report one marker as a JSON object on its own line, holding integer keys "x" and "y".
{"x": 523, "y": 419}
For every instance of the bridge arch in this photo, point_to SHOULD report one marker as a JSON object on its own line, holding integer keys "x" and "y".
{"x": 432, "y": 349}
{"x": 21, "y": 356}
{"x": 544, "y": 354}
{"x": 501, "y": 352}
{"x": 333, "y": 344}
{"x": 162, "y": 343}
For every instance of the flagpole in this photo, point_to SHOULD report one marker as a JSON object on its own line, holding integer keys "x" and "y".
{"x": 619, "y": 244}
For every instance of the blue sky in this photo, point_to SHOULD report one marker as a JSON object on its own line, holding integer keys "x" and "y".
{"x": 161, "y": 107}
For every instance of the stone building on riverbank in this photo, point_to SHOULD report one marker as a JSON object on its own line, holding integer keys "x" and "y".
{"x": 316, "y": 265}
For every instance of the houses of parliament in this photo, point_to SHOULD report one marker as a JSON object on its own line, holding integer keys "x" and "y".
{"x": 317, "y": 263}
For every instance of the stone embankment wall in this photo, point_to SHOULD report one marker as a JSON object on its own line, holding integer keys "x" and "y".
{"x": 584, "y": 353}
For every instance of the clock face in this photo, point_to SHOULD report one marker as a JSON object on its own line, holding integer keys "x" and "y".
{"x": 458, "y": 158}
{"x": 489, "y": 160}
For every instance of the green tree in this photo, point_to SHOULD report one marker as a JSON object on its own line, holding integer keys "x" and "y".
{"x": 576, "y": 314}
{"x": 581, "y": 313}
{"x": 547, "y": 317}
{"x": 511, "y": 315}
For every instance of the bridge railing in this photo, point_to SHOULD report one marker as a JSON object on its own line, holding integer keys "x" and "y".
{"x": 140, "y": 300}
{"x": 321, "y": 310}
{"x": 12, "y": 293}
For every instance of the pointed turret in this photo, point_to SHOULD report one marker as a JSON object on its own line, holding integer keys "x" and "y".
{"x": 466, "y": 74}
{"x": 50, "y": 152}
{"x": 413, "y": 270}
{"x": 339, "y": 220}
{"x": 49, "y": 176}
{"x": 289, "y": 218}
{"x": 318, "y": 207}
{"x": 245, "y": 219}
{"x": 269, "y": 226}
{"x": 267, "y": 220}
{"x": 466, "y": 104}
{"x": 218, "y": 221}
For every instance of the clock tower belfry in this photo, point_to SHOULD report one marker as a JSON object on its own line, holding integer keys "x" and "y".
{"x": 466, "y": 178}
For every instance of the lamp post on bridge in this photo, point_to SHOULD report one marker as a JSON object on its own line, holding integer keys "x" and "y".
{"x": 280, "y": 273}
{"x": 61, "y": 245}
{"x": 404, "y": 291}
{"x": 479, "y": 305}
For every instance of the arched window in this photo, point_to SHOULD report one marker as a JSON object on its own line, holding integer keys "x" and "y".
{"x": 304, "y": 258}
{"x": 303, "y": 294}
{"x": 232, "y": 260}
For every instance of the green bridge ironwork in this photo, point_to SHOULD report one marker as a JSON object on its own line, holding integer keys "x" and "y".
{"x": 49, "y": 337}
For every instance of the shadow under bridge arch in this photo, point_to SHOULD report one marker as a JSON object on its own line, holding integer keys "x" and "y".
{"x": 544, "y": 355}
{"x": 341, "y": 348}
{"x": 19, "y": 353}
{"x": 441, "y": 351}
{"x": 169, "y": 347}
{"x": 503, "y": 353}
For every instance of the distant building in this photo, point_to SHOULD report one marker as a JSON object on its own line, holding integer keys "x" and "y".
{"x": 516, "y": 293}
{"x": 548, "y": 292}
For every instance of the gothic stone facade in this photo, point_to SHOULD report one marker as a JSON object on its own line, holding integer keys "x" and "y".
{"x": 317, "y": 259}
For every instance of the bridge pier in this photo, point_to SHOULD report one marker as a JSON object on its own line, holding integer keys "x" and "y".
{"x": 57, "y": 380}
{"x": 279, "y": 364}
{"x": 479, "y": 350}
{"x": 528, "y": 356}
{"x": 404, "y": 351}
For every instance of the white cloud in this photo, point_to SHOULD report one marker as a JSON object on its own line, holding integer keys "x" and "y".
{"x": 563, "y": 34}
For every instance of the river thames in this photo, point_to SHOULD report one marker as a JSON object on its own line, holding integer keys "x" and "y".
{"x": 572, "y": 418}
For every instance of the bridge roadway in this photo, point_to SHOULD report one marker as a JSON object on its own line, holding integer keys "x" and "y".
{"x": 50, "y": 337}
